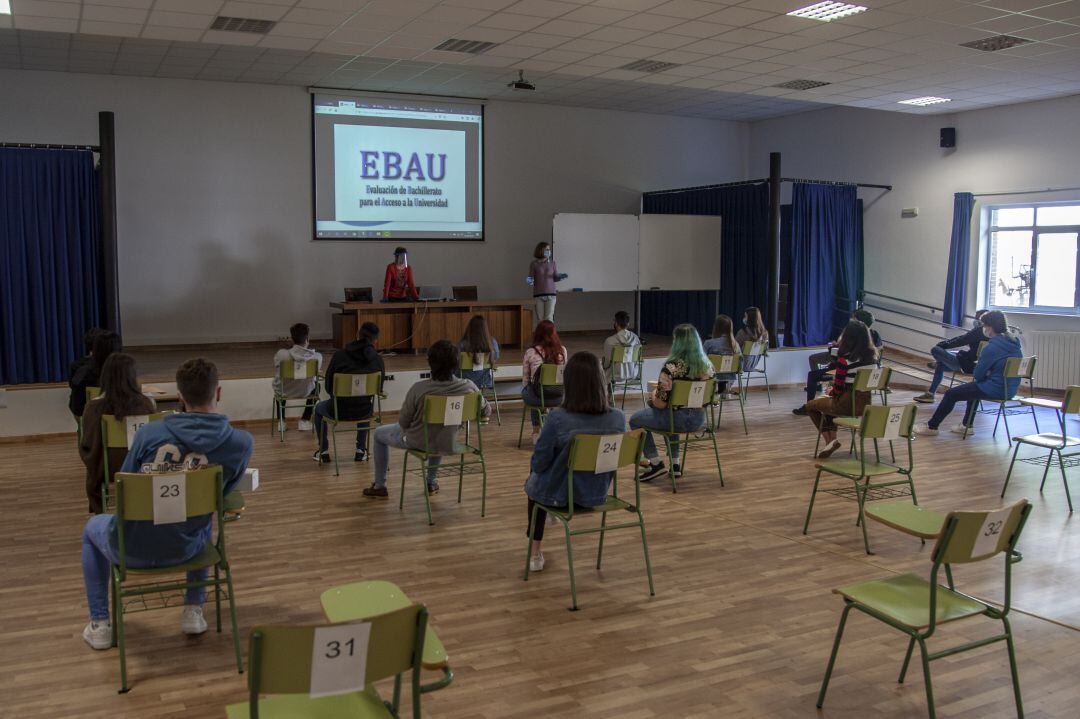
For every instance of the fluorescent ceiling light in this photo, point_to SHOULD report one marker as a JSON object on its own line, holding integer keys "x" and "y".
{"x": 826, "y": 11}
{"x": 924, "y": 101}
{"x": 5, "y": 7}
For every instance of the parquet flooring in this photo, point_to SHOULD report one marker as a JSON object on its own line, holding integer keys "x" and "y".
{"x": 740, "y": 627}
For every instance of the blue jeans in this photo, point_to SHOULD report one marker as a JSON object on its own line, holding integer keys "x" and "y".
{"x": 968, "y": 392}
{"x": 946, "y": 362}
{"x": 392, "y": 435}
{"x": 325, "y": 410}
{"x": 686, "y": 420}
{"x": 98, "y": 556}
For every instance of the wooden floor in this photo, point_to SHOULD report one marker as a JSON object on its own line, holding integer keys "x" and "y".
{"x": 740, "y": 626}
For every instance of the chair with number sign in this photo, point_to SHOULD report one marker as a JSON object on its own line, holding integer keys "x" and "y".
{"x": 446, "y": 412}
{"x": 597, "y": 455}
{"x": 1022, "y": 368}
{"x": 329, "y": 671}
{"x": 354, "y": 386}
{"x": 627, "y": 369}
{"x": 551, "y": 377}
{"x": 116, "y": 435}
{"x": 727, "y": 364}
{"x": 758, "y": 368}
{"x": 687, "y": 394}
{"x": 1053, "y": 443}
{"x": 867, "y": 379}
{"x": 866, "y": 481}
{"x": 292, "y": 370}
{"x": 183, "y": 496}
{"x": 482, "y": 369}
{"x": 917, "y": 607}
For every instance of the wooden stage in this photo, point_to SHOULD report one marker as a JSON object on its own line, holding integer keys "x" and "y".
{"x": 741, "y": 624}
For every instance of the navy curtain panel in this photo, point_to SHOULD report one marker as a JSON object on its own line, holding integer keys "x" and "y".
{"x": 826, "y": 261}
{"x": 50, "y": 278}
{"x": 662, "y": 310}
{"x": 956, "y": 279}
{"x": 744, "y": 247}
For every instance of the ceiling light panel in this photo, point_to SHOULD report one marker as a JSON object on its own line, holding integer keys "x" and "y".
{"x": 826, "y": 11}
{"x": 924, "y": 101}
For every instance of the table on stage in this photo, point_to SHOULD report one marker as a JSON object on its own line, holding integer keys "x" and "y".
{"x": 416, "y": 325}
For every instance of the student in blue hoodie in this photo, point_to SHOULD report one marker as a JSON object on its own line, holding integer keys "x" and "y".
{"x": 196, "y": 437}
{"x": 989, "y": 374}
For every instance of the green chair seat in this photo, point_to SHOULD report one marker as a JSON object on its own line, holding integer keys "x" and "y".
{"x": 906, "y": 600}
{"x": 855, "y": 468}
{"x": 1047, "y": 440}
{"x": 908, "y": 518}
{"x": 358, "y": 705}
{"x": 360, "y": 600}
{"x": 208, "y": 557}
{"x": 848, "y": 422}
{"x": 457, "y": 449}
{"x": 1041, "y": 402}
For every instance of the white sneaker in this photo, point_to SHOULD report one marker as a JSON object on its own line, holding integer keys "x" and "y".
{"x": 304, "y": 425}
{"x": 98, "y": 634}
{"x": 924, "y": 429}
{"x": 191, "y": 620}
{"x": 536, "y": 562}
{"x": 281, "y": 426}
{"x": 962, "y": 430}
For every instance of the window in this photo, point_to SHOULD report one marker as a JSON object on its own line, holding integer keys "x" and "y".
{"x": 1032, "y": 262}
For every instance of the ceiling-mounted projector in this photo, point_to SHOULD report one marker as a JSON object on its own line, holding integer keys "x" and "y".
{"x": 521, "y": 83}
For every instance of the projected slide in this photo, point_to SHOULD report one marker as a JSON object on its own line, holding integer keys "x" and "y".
{"x": 397, "y": 169}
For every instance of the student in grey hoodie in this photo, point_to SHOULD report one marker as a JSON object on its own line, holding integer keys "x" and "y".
{"x": 625, "y": 338}
{"x": 443, "y": 358}
{"x": 298, "y": 388}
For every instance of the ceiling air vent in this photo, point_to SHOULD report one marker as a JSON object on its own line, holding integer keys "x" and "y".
{"x": 649, "y": 66}
{"x": 801, "y": 84}
{"x": 995, "y": 43}
{"x": 471, "y": 47}
{"x": 242, "y": 24}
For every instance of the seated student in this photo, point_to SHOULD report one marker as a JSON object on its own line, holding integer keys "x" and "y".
{"x": 945, "y": 361}
{"x": 546, "y": 348}
{"x": 120, "y": 397}
{"x": 867, "y": 318}
{"x": 89, "y": 373}
{"x": 989, "y": 375}
{"x": 753, "y": 330}
{"x": 358, "y": 357}
{"x": 584, "y": 410}
{"x": 88, "y": 358}
{"x": 298, "y": 388}
{"x": 477, "y": 340}
{"x": 442, "y": 357}
{"x": 855, "y": 350}
{"x": 626, "y": 339}
{"x": 686, "y": 361}
{"x": 196, "y": 437}
{"x": 722, "y": 342}
{"x": 821, "y": 363}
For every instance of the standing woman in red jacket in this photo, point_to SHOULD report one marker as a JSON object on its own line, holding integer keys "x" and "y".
{"x": 398, "y": 285}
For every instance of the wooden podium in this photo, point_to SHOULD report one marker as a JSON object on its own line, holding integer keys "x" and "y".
{"x": 416, "y": 325}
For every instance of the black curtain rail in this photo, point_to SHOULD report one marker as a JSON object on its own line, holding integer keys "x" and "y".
{"x": 707, "y": 187}
{"x": 48, "y": 146}
{"x": 1025, "y": 192}
{"x": 836, "y": 182}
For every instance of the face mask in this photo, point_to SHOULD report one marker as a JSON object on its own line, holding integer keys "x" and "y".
{"x": 986, "y": 331}
{"x": 547, "y": 254}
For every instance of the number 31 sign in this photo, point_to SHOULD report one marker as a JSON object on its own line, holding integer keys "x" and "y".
{"x": 339, "y": 659}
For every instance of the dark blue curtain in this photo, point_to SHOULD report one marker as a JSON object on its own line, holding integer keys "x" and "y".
{"x": 50, "y": 236}
{"x": 956, "y": 279}
{"x": 826, "y": 261}
{"x": 661, "y": 310}
{"x": 744, "y": 248}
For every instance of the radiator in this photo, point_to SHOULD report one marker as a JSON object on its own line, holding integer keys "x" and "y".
{"x": 1059, "y": 358}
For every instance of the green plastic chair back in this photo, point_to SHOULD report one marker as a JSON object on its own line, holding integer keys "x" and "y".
{"x": 291, "y": 369}
{"x": 587, "y": 450}
{"x": 726, "y": 364}
{"x": 1071, "y": 403}
{"x": 888, "y": 422}
{"x": 551, "y": 375}
{"x": 980, "y": 348}
{"x": 872, "y": 379}
{"x": 92, "y": 393}
{"x": 975, "y": 536}
{"x": 135, "y": 495}
{"x": 436, "y": 408}
{"x": 469, "y": 364}
{"x": 621, "y": 355}
{"x": 755, "y": 348}
{"x": 694, "y": 394}
{"x": 357, "y": 385}
{"x": 1022, "y": 367}
{"x": 115, "y": 432}
{"x": 280, "y": 657}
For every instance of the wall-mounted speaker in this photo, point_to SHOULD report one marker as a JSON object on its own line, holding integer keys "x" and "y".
{"x": 948, "y": 137}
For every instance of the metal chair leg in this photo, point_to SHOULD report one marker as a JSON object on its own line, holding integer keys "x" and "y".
{"x": 1008, "y": 474}
{"x": 907, "y": 660}
{"x": 832, "y": 655}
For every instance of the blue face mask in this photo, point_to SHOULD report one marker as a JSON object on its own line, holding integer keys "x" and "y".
{"x": 547, "y": 254}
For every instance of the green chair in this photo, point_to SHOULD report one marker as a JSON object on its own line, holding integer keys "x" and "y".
{"x": 117, "y": 434}
{"x": 686, "y": 394}
{"x": 1053, "y": 443}
{"x": 291, "y": 369}
{"x": 354, "y": 385}
{"x": 630, "y": 363}
{"x": 468, "y": 364}
{"x": 1022, "y": 368}
{"x": 916, "y": 606}
{"x": 727, "y": 364}
{"x": 135, "y": 501}
{"x": 441, "y": 411}
{"x": 595, "y": 453}
{"x": 870, "y": 481}
{"x": 867, "y": 379}
{"x": 283, "y": 664}
{"x": 760, "y": 369}
{"x": 551, "y": 375}
{"x": 363, "y": 600}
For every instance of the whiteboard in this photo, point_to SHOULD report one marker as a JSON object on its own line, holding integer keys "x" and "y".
{"x": 679, "y": 252}
{"x": 598, "y": 252}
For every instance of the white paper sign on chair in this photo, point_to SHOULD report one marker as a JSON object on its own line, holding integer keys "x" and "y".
{"x": 696, "y": 399}
{"x": 875, "y": 378}
{"x": 133, "y": 424}
{"x": 560, "y": 369}
{"x": 757, "y": 349}
{"x": 359, "y": 385}
{"x": 893, "y": 421}
{"x": 170, "y": 498}
{"x": 339, "y": 659}
{"x": 990, "y": 532}
{"x": 607, "y": 453}
{"x": 452, "y": 413}
{"x": 1024, "y": 368}
{"x": 299, "y": 370}
{"x": 726, "y": 363}
{"x": 479, "y": 360}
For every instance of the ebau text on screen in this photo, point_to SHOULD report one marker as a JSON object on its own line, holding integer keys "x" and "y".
{"x": 375, "y": 165}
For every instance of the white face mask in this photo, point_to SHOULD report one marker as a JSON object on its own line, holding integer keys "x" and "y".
{"x": 986, "y": 331}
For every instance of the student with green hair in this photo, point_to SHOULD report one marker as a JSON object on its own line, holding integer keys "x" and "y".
{"x": 688, "y": 361}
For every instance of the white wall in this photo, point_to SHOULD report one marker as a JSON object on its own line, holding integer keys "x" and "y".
{"x": 214, "y": 197}
{"x": 1015, "y": 147}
